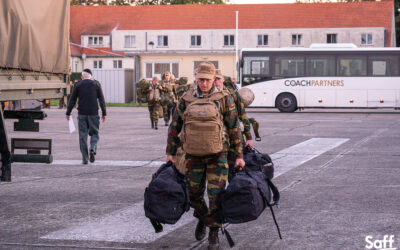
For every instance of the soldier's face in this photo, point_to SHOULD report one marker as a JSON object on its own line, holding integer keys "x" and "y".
{"x": 167, "y": 77}
{"x": 205, "y": 85}
{"x": 219, "y": 83}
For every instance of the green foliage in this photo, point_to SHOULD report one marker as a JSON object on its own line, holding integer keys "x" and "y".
{"x": 88, "y": 2}
{"x": 121, "y": 2}
{"x": 164, "y": 2}
{"x": 75, "y": 76}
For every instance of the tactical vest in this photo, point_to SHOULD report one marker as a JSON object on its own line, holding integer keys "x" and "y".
{"x": 203, "y": 125}
{"x": 154, "y": 95}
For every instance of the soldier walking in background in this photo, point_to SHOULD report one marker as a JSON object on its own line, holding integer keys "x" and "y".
{"x": 154, "y": 101}
{"x": 201, "y": 115}
{"x": 88, "y": 91}
{"x": 219, "y": 84}
{"x": 169, "y": 96}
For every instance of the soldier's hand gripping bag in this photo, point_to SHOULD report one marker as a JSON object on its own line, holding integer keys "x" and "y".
{"x": 166, "y": 198}
{"x": 255, "y": 160}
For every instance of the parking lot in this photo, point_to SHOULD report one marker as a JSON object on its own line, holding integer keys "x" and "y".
{"x": 338, "y": 172}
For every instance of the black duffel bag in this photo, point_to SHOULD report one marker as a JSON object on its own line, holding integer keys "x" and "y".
{"x": 255, "y": 160}
{"x": 166, "y": 198}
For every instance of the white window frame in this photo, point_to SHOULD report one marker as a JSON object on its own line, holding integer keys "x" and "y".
{"x": 96, "y": 40}
{"x": 367, "y": 39}
{"x": 97, "y": 64}
{"x": 196, "y": 40}
{"x": 262, "y": 39}
{"x": 130, "y": 41}
{"x": 161, "y": 40}
{"x": 298, "y": 39}
{"x": 231, "y": 40}
{"x": 117, "y": 64}
{"x": 159, "y": 75}
{"x": 331, "y": 36}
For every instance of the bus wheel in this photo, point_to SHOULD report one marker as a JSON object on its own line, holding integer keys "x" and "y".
{"x": 286, "y": 102}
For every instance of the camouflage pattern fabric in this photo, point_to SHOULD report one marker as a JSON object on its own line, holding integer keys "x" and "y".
{"x": 214, "y": 169}
{"x": 153, "y": 110}
{"x": 168, "y": 97}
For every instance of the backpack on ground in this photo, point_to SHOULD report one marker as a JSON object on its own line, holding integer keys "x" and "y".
{"x": 203, "y": 131}
{"x": 141, "y": 90}
{"x": 166, "y": 198}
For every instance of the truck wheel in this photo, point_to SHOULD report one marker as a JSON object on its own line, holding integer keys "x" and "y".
{"x": 286, "y": 102}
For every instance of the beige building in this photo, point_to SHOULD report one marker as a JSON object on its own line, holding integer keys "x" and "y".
{"x": 176, "y": 38}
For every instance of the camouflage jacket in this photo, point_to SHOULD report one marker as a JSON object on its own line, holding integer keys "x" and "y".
{"x": 230, "y": 120}
{"x": 241, "y": 112}
{"x": 169, "y": 89}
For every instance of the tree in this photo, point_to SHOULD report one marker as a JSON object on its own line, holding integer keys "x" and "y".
{"x": 164, "y": 2}
{"x": 88, "y": 2}
{"x": 121, "y": 2}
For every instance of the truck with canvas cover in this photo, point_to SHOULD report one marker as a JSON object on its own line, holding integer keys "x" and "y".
{"x": 34, "y": 63}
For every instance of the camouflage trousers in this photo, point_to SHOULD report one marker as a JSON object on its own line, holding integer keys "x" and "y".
{"x": 214, "y": 170}
{"x": 153, "y": 110}
{"x": 167, "y": 112}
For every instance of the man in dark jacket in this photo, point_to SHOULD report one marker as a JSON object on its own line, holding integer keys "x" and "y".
{"x": 88, "y": 91}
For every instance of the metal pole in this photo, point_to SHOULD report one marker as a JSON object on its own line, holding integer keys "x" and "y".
{"x": 237, "y": 44}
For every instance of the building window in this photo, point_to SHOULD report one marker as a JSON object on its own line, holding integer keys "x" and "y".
{"x": 159, "y": 68}
{"x": 229, "y": 40}
{"x": 97, "y": 64}
{"x": 297, "y": 39}
{"x": 366, "y": 38}
{"x": 331, "y": 38}
{"x": 130, "y": 41}
{"x": 95, "y": 40}
{"x": 117, "y": 64}
{"x": 195, "y": 41}
{"x": 162, "y": 41}
{"x": 262, "y": 40}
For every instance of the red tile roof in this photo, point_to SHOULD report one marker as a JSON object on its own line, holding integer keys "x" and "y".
{"x": 222, "y": 16}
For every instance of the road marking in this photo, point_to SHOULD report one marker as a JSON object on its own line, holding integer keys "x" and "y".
{"x": 125, "y": 225}
{"x": 294, "y": 156}
{"x": 111, "y": 163}
{"x": 131, "y": 225}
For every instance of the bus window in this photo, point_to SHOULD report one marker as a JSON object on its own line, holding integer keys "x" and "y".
{"x": 289, "y": 66}
{"x": 352, "y": 66}
{"x": 321, "y": 66}
{"x": 256, "y": 65}
{"x": 384, "y": 65}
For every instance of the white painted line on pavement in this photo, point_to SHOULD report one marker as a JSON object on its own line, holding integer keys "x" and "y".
{"x": 294, "y": 156}
{"x": 111, "y": 163}
{"x": 131, "y": 225}
{"x": 125, "y": 225}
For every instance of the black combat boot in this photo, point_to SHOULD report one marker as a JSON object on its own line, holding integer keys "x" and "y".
{"x": 152, "y": 124}
{"x": 213, "y": 241}
{"x": 155, "y": 125}
{"x": 200, "y": 232}
{"x": 166, "y": 123}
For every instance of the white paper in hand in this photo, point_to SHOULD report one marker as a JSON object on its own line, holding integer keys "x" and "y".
{"x": 71, "y": 125}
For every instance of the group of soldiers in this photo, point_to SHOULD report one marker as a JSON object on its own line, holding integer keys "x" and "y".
{"x": 163, "y": 95}
{"x": 193, "y": 144}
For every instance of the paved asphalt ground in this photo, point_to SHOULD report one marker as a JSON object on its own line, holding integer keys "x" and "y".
{"x": 338, "y": 173}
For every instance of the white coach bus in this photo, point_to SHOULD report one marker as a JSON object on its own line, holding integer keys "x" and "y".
{"x": 322, "y": 76}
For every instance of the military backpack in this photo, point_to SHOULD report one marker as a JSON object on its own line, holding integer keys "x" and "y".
{"x": 141, "y": 90}
{"x": 203, "y": 130}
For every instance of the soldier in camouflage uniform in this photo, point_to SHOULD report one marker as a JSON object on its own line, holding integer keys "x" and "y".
{"x": 154, "y": 103}
{"x": 219, "y": 84}
{"x": 168, "y": 89}
{"x": 213, "y": 168}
